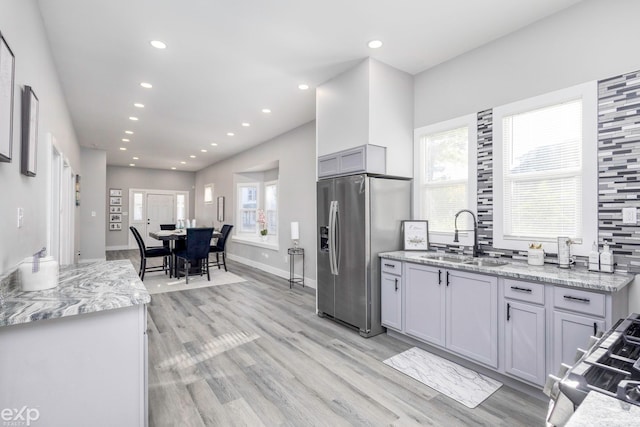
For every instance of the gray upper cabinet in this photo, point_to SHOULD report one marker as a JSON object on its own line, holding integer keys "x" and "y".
{"x": 365, "y": 159}
{"x": 370, "y": 104}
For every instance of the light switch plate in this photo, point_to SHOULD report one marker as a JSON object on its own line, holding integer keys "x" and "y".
{"x": 630, "y": 216}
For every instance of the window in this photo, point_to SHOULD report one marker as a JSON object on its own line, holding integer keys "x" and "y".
{"x": 181, "y": 211}
{"x": 271, "y": 206}
{"x": 138, "y": 206}
{"x": 446, "y": 176}
{"x": 545, "y": 170}
{"x": 208, "y": 194}
{"x": 248, "y": 207}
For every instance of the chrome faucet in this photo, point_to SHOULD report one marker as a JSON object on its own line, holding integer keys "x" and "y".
{"x": 476, "y": 247}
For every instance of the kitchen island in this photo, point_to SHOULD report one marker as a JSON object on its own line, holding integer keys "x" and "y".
{"x": 76, "y": 354}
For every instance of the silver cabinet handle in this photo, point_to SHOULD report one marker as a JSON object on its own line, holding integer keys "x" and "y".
{"x": 517, "y": 288}
{"x": 577, "y": 299}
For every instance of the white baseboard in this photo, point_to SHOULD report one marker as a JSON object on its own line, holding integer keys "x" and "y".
{"x": 118, "y": 248}
{"x": 269, "y": 269}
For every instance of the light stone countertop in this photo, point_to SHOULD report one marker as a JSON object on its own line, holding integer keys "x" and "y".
{"x": 599, "y": 410}
{"x": 82, "y": 288}
{"x": 577, "y": 277}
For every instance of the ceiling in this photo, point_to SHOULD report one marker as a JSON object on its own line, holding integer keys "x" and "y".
{"x": 227, "y": 60}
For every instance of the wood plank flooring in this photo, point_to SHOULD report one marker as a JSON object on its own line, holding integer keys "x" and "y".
{"x": 256, "y": 354}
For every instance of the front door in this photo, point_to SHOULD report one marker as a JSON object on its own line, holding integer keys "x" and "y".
{"x": 160, "y": 210}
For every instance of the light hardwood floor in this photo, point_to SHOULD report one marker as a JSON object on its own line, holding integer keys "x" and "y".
{"x": 256, "y": 354}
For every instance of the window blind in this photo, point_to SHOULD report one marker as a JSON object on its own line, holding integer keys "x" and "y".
{"x": 542, "y": 173}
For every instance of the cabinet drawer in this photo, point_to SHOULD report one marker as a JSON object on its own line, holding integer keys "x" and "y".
{"x": 579, "y": 301}
{"x": 391, "y": 266}
{"x": 328, "y": 165}
{"x": 524, "y": 291}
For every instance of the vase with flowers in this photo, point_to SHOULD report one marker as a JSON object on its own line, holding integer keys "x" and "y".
{"x": 262, "y": 225}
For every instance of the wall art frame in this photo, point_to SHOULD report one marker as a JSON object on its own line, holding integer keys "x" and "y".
{"x": 7, "y": 83}
{"x": 30, "y": 107}
{"x": 415, "y": 235}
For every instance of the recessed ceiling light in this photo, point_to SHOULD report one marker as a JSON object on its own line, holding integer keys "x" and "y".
{"x": 128, "y": 132}
{"x": 230, "y": 134}
{"x": 266, "y": 110}
{"x": 123, "y": 148}
{"x": 125, "y": 140}
{"x": 192, "y": 156}
{"x": 135, "y": 158}
{"x": 183, "y": 163}
{"x": 173, "y": 168}
{"x": 375, "y": 44}
{"x": 132, "y": 164}
{"x": 146, "y": 85}
{"x": 303, "y": 86}
{"x": 245, "y": 124}
{"x": 135, "y": 119}
{"x": 203, "y": 150}
{"x": 138, "y": 105}
{"x": 158, "y": 44}
{"x": 213, "y": 144}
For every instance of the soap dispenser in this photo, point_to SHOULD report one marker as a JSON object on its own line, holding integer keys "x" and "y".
{"x": 594, "y": 258}
{"x": 606, "y": 260}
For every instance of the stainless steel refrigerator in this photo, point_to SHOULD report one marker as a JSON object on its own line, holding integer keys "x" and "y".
{"x": 359, "y": 216}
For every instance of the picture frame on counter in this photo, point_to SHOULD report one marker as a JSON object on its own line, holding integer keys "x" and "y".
{"x": 30, "y": 106}
{"x": 7, "y": 79}
{"x": 115, "y": 201}
{"x": 415, "y": 235}
{"x": 115, "y": 192}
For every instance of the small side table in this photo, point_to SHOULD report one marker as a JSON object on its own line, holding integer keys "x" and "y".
{"x": 293, "y": 253}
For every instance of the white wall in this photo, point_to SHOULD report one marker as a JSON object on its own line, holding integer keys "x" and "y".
{"x": 93, "y": 216}
{"x": 22, "y": 27}
{"x": 124, "y": 178}
{"x": 592, "y": 40}
{"x": 589, "y": 41}
{"x": 295, "y": 152}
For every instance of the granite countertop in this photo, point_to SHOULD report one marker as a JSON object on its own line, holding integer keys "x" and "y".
{"x": 598, "y": 409}
{"x": 578, "y": 277}
{"x": 82, "y": 288}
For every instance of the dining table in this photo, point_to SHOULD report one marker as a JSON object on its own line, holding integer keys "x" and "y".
{"x": 171, "y": 236}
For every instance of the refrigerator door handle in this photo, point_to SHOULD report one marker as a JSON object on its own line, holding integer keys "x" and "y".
{"x": 332, "y": 237}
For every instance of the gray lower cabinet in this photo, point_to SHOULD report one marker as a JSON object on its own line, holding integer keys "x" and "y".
{"x": 525, "y": 349}
{"x": 570, "y": 332}
{"x": 391, "y": 301}
{"x": 453, "y": 309}
{"x": 472, "y": 316}
{"x": 424, "y": 303}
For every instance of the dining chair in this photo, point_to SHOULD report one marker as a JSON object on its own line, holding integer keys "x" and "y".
{"x": 219, "y": 247}
{"x": 196, "y": 250}
{"x": 166, "y": 243}
{"x": 151, "y": 252}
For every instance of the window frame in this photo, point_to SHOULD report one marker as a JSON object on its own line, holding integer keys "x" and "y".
{"x": 211, "y": 188}
{"x": 588, "y": 92}
{"x": 276, "y": 210}
{"x": 471, "y": 122}
{"x": 240, "y": 210}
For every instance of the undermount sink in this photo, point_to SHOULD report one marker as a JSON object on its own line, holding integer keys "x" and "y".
{"x": 486, "y": 262}
{"x": 447, "y": 258}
